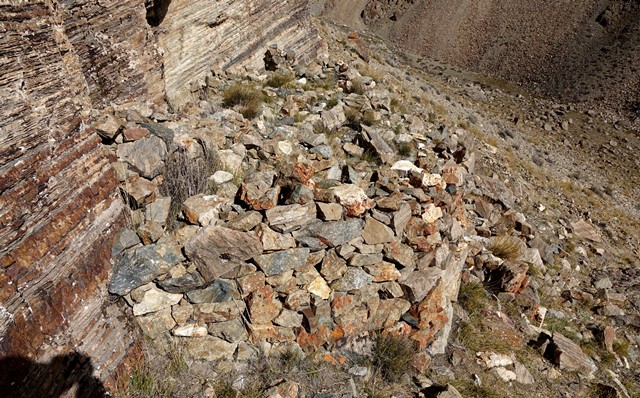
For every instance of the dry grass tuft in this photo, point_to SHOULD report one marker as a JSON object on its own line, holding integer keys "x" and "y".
{"x": 473, "y": 297}
{"x": 312, "y": 375}
{"x": 393, "y": 357}
{"x": 376, "y": 74}
{"x": 407, "y": 149}
{"x": 244, "y": 96}
{"x": 507, "y": 247}
{"x": 279, "y": 79}
{"x": 145, "y": 383}
{"x": 357, "y": 87}
{"x": 331, "y": 102}
{"x": 185, "y": 177}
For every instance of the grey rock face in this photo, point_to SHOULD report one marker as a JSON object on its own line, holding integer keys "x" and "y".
{"x": 219, "y": 291}
{"x": 217, "y": 250}
{"x": 279, "y": 262}
{"x": 145, "y": 156}
{"x": 142, "y": 265}
{"x": 333, "y": 233}
{"x": 353, "y": 279}
{"x": 182, "y": 284}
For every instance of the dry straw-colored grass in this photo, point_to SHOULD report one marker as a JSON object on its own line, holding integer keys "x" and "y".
{"x": 507, "y": 247}
{"x": 245, "y": 97}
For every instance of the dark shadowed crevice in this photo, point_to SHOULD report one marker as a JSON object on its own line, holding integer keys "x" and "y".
{"x": 156, "y": 11}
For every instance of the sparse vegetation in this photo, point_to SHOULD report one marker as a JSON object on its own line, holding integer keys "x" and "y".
{"x": 354, "y": 117}
{"x": 145, "y": 383}
{"x": 369, "y": 118}
{"x": 507, "y": 247}
{"x": 376, "y": 74}
{"x": 331, "y": 102}
{"x": 370, "y": 157}
{"x": 185, "y": 177}
{"x": 468, "y": 389}
{"x": 599, "y": 390}
{"x": 244, "y": 96}
{"x": 473, "y": 297}
{"x": 279, "y": 79}
{"x": 357, "y": 87}
{"x": 407, "y": 149}
{"x": 176, "y": 355}
{"x": 312, "y": 374}
{"x": 393, "y": 357}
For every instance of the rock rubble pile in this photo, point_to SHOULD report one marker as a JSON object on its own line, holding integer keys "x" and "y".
{"x": 326, "y": 215}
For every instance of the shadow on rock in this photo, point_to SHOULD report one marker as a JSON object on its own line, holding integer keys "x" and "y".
{"x": 64, "y": 375}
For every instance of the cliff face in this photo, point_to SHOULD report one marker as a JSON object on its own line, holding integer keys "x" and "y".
{"x": 586, "y": 51}
{"x": 58, "y": 206}
{"x": 60, "y": 59}
{"x": 199, "y": 35}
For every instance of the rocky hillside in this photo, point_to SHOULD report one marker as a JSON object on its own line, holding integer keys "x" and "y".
{"x": 191, "y": 208}
{"x": 387, "y": 231}
{"x": 587, "y": 51}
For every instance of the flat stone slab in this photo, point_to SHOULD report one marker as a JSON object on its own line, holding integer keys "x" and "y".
{"x": 140, "y": 266}
{"x": 217, "y": 250}
{"x": 285, "y": 260}
{"x": 334, "y": 233}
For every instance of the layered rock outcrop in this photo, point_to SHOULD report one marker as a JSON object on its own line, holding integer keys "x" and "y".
{"x": 59, "y": 206}
{"x": 197, "y": 35}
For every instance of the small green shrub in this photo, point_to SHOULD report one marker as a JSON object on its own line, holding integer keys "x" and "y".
{"x": 473, "y": 297}
{"x": 332, "y": 102}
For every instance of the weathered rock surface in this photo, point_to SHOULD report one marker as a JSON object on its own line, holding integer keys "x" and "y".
{"x": 281, "y": 261}
{"x": 228, "y": 27}
{"x": 568, "y": 355}
{"x": 140, "y": 266}
{"x": 217, "y": 250}
{"x": 59, "y": 207}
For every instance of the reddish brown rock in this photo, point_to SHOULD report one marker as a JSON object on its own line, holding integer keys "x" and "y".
{"x": 353, "y": 199}
{"x": 134, "y": 133}
{"x": 57, "y": 191}
{"x": 139, "y": 191}
{"x": 511, "y": 278}
{"x": 257, "y": 191}
{"x": 264, "y": 306}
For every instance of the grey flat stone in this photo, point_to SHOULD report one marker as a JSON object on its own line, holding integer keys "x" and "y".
{"x": 333, "y": 233}
{"x": 142, "y": 265}
{"x": 219, "y": 291}
{"x": 217, "y": 250}
{"x": 279, "y": 262}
